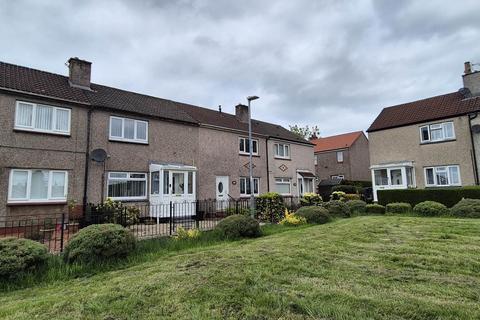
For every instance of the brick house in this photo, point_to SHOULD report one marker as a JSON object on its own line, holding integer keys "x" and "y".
{"x": 343, "y": 156}
{"x": 157, "y": 150}
{"x": 429, "y": 143}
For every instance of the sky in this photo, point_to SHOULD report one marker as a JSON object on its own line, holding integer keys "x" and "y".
{"x": 330, "y": 63}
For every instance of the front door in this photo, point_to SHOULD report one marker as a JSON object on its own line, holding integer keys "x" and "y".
{"x": 222, "y": 192}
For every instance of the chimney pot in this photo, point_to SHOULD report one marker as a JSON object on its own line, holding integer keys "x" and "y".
{"x": 241, "y": 112}
{"x": 79, "y": 73}
{"x": 468, "y": 67}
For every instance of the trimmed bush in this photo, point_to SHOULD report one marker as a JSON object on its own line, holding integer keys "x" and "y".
{"x": 357, "y": 206}
{"x": 375, "y": 208}
{"x": 337, "y": 208}
{"x": 338, "y": 195}
{"x": 430, "y": 209}
{"x": 469, "y": 208}
{"x": 314, "y": 214}
{"x": 345, "y": 188}
{"x": 238, "y": 226}
{"x": 398, "y": 207}
{"x": 99, "y": 242}
{"x": 270, "y": 207}
{"x": 351, "y": 196}
{"x": 448, "y": 196}
{"x": 310, "y": 199}
{"x": 239, "y": 210}
{"x": 20, "y": 255}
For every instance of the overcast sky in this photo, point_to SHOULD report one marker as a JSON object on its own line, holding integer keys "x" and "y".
{"x": 334, "y": 64}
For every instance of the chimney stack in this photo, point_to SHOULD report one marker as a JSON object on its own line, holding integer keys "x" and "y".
{"x": 79, "y": 73}
{"x": 471, "y": 80}
{"x": 241, "y": 112}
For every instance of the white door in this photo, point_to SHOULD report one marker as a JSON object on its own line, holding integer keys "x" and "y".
{"x": 222, "y": 185}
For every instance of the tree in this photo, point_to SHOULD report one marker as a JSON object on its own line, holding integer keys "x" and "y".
{"x": 305, "y": 132}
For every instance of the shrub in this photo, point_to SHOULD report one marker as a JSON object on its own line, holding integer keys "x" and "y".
{"x": 240, "y": 210}
{"x": 314, "y": 214}
{"x": 467, "y": 208}
{"x": 345, "y": 188}
{"x": 270, "y": 206}
{"x": 448, "y": 196}
{"x": 99, "y": 242}
{"x": 398, "y": 207}
{"x": 310, "y": 199}
{"x": 292, "y": 219}
{"x": 430, "y": 209}
{"x": 183, "y": 234}
{"x": 115, "y": 212}
{"x": 20, "y": 255}
{"x": 337, "y": 208}
{"x": 375, "y": 208}
{"x": 357, "y": 206}
{"x": 238, "y": 226}
{"x": 338, "y": 195}
{"x": 351, "y": 196}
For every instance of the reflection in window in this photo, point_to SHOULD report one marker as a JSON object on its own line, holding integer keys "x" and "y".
{"x": 381, "y": 178}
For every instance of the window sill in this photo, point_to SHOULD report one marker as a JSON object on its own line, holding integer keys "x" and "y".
{"x": 129, "y": 199}
{"x": 145, "y": 143}
{"x": 443, "y": 186}
{"x": 36, "y": 203}
{"x": 435, "y": 142}
{"x": 58, "y": 134}
{"x": 246, "y": 155}
{"x": 280, "y": 158}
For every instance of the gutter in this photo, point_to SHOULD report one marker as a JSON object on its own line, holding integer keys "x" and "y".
{"x": 87, "y": 161}
{"x": 268, "y": 168}
{"x": 474, "y": 154}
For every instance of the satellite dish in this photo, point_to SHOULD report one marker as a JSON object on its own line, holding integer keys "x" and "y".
{"x": 476, "y": 128}
{"x": 99, "y": 155}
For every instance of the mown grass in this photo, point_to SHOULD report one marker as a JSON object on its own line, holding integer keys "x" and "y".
{"x": 369, "y": 267}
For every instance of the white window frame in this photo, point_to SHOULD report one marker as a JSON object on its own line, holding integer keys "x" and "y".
{"x": 122, "y": 138}
{"x": 34, "y": 112}
{"x": 128, "y": 178}
{"x": 447, "y": 168}
{"x": 27, "y": 199}
{"x": 339, "y": 156}
{"x": 285, "y": 181}
{"x": 245, "y": 141}
{"x": 243, "y": 180}
{"x": 436, "y": 126}
{"x": 285, "y": 147}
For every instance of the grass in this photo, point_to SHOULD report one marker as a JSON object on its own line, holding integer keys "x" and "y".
{"x": 369, "y": 267}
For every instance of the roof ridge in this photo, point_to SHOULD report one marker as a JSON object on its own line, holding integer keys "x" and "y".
{"x": 33, "y": 69}
{"x": 420, "y": 100}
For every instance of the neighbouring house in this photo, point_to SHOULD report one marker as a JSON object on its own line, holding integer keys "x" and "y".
{"x": 344, "y": 157}
{"x": 429, "y": 143}
{"x": 155, "y": 150}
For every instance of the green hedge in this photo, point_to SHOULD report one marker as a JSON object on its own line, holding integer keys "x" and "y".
{"x": 398, "y": 207}
{"x": 447, "y": 196}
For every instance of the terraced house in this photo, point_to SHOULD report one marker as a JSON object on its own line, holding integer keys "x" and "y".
{"x": 429, "y": 143}
{"x": 65, "y": 138}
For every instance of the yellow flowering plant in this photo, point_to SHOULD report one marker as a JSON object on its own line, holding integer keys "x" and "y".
{"x": 183, "y": 233}
{"x": 291, "y": 219}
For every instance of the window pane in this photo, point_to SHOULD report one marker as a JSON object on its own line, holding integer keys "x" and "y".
{"x": 39, "y": 185}
{"x": 396, "y": 176}
{"x": 437, "y": 134}
{"x": 137, "y": 175}
{"x": 381, "y": 178}
{"x": 441, "y": 175}
{"x": 282, "y": 188}
{"x": 116, "y": 127}
{"x": 409, "y": 176}
{"x": 287, "y": 151}
{"x": 122, "y": 175}
{"x": 63, "y": 118}
{"x": 19, "y": 184}
{"x": 126, "y": 188}
{"x": 308, "y": 185}
{"x": 141, "y": 130}
{"x": 247, "y": 146}
{"x": 276, "y": 149}
{"x": 242, "y": 144}
{"x": 129, "y": 130}
{"x": 300, "y": 186}
{"x": 255, "y": 186}
{"x": 166, "y": 182}
{"x": 242, "y": 185}
{"x": 425, "y": 135}
{"x": 155, "y": 182}
{"x": 190, "y": 183}
{"x": 448, "y": 128}
{"x": 454, "y": 175}
{"x": 340, "y": 156}
{"x": 58, "y": 185}
{"x": 178, "y": 182}
{"x": 429, "y": 174}
{"x": 281, "y": 150}
{"x": 24, "y": 115}
{"x": 43, "y": 117}
{"x": 248, "y": 189}
{"x": 255, "y": 147}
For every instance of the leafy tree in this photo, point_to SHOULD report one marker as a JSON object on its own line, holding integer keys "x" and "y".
{"x": 305, "y": 132}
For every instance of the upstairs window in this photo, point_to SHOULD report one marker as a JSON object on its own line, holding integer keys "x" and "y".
{"x": 339, "y": 156}
{"x": 128, "y": 130}
{"x": 437, "y": 132}
{"x": 442, "y": 176}
{"x": 244, "y": 146}
{"x": 282, "y": 151}
{"x": 42, "y": 118}
{"x": 37, "y": 185}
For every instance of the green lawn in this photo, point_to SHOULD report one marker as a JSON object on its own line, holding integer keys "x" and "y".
{"x": 358, "y": 268}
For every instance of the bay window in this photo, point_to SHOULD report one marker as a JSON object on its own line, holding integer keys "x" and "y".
{"x": 282, "y": 150}
{"x": 244, "y": 146}
{"x": 437, "y": 132}
{"x": 127, "y": 185}
{"x": 36, "y": 185}
{"x": 442, "y": 176}
{"x": 245, "y": 189}
{"x": 283, "y": 186}
{"x": 42, "y": 118}
{"x": 128, "y": 130}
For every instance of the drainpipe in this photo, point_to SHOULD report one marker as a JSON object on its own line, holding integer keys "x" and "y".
{"x": 268, "y": 172}
{"x": 87, "y": 160}
{"x": 474, "y": 155}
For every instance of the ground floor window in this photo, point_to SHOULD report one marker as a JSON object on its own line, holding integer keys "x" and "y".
{"x": 37, "y": 185}
{"x": 337, "y": 177}
{"x": 283, "y": 186}
{"x": 442, "y": 176}
{"x": 245, "y": 189}
{"x": 305, "y": 185}
{"x": 127, "y": 185}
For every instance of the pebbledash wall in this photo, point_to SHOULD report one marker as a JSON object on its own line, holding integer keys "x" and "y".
{"x": 214, "y": 151}
{"x": 407, "y": 147}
